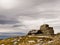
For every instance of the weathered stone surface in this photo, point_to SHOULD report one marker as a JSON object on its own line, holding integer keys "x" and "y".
{"x": 34, "y": 32}
{"x": 44, "y": 29}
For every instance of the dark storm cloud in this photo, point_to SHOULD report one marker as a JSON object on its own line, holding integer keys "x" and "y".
{"x": 8, "y": 22}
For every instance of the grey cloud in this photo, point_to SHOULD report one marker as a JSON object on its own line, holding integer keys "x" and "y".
{"x": 10, "y": 19}
{"x": 8, "y": 22}
{"x": 32, "y": 11}
{"x": 20, "y": 25}
{"x": 29, "y": 10}
{"x": 57, "y": 27}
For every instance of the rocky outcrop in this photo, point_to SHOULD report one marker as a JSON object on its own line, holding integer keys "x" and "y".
{"x": 34, "y": 32}
{"x": 44, "y": 29}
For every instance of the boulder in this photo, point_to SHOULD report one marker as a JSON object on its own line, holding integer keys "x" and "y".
{"x": 45, "y": 29}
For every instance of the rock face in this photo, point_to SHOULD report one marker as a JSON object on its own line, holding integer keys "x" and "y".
{"x": 44, "y": 29}
{"x": 34, "y": 32}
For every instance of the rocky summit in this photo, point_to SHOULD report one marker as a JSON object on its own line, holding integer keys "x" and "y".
{"x": 44, "y": 36}
{"x": 44, "y": 30}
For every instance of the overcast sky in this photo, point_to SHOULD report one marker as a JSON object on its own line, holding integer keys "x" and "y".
{"x": 24, "y": 15}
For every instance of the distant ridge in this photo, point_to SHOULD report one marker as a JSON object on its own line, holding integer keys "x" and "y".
{"x": 12, "y": 34}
